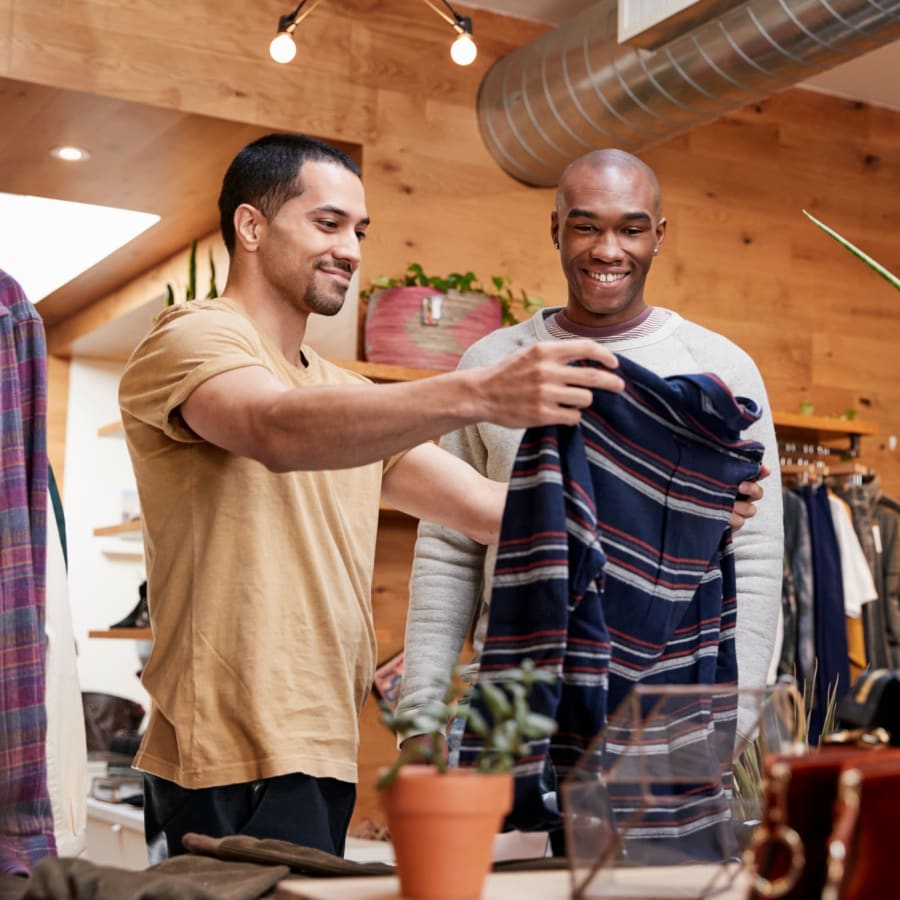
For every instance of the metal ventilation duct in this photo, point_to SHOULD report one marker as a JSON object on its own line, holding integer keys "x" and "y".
{"x": 575, "y": 88}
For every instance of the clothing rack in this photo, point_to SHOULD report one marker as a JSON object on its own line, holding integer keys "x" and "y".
{"x": 815, "y": 471}
{"x": 810, "y": 461}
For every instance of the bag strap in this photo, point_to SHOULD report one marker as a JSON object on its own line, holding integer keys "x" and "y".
{"x": 846, "y": 818}
{"x": 859, "y": 737}
{"x": 772, "y": 832}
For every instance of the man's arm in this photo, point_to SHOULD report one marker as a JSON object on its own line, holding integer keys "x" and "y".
{"x": 430, "y": 483}
{"x": 248, "y": 412}
{"x": 461, "y": 510}
{"x": 447, "y": 581}
{"x": 758, "y": 562}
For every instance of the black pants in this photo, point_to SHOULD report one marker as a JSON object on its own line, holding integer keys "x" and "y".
{"x": 312, "y": 812}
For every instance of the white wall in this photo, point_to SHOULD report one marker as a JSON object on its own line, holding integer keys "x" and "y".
{"x": 103, "y": 588}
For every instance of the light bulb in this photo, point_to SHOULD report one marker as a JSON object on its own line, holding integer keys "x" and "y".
{"x": 282, "y": 49}
{"x": 70, "y": 154}
{"x": 463, "y": 50}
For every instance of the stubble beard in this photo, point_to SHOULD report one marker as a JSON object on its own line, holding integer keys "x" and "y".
{"x": 322, "y": 301}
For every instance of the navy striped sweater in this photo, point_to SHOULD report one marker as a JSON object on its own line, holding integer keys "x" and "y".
{"x": 614, "y": 566}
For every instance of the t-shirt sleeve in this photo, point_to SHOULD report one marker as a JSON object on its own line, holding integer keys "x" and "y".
{"x": 184, "y": 349}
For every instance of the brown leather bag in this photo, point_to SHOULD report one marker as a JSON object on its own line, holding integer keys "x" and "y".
{"x": 789, "y": 851}
{"x": 872, "y": 702}
{"x": 861, "y": 863}
{"x": 106, "y": 716}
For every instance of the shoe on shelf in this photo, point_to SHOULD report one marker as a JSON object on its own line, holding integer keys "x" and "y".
{"x": 139, "y": 617}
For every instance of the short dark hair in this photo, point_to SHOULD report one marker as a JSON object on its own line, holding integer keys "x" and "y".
{"x": 266, "y": 174}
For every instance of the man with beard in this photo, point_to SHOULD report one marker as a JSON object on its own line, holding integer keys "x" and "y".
{"x": 608, "y": 227}
{"x": 260, "y": 467}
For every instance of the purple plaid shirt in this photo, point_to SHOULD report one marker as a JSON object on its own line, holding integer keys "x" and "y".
{"x": 26, "y": 819}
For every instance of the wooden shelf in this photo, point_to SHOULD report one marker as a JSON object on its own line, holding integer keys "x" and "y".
{"x": 824, "y": 425}
{"x": 127, "y": 547}
{"x": 134, "y": 527}
{"x": 113, "y": 429}
{"x": 823, "y": 430}
{"x": 384, "y": 373}
{"x": 122, "y": 634}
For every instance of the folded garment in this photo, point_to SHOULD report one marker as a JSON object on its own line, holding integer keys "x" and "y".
{"x": 302, "y": 860}
{"x": 317, "y": 863}
{"x": 12, "y": 887}
{"x": 178, "y": 878}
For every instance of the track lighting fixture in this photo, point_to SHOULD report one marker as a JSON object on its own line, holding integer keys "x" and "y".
{"x": 462, "y": 51}
{"x": 282, "y": 48}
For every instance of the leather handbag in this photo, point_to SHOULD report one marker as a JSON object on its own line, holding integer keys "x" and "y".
{"x": 789, "y": 855}
{"x": 873, "y": 702}
{"x": 860, "y": 863}
{"x": 106, "y": 716}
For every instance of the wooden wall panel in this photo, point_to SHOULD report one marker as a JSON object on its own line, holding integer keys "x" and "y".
{"x": 739, "y": 257}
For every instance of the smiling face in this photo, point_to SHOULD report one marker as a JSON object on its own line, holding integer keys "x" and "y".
{"x": 608, "y": 226}
{"x": 312, "y": 244}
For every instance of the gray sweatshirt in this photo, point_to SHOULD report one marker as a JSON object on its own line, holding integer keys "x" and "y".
{"x": 450, "y": 585}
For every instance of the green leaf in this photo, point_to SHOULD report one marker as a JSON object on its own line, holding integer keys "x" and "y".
{"x": 880, "y": 269}
{"x": 496, "y": 701}
{"x": 213, "y": 290}
{"x": 476, "y": 721}
{"x": 192, "y": 272}
{"x": 538, "y": 726}
{"x": 416, "y": 275}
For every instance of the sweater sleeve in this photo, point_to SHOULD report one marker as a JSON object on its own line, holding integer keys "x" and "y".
{"x": 758, "y": 560}
{"x": 444, "y": 597}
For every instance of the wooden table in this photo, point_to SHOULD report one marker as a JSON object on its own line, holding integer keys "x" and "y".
{"x": 669, "y": 882}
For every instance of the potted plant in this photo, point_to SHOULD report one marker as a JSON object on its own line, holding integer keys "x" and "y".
{"x": 443, "y": 820}
{"x": 427, "y": 321}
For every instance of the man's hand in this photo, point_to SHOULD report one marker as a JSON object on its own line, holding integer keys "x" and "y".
{"x": 749, "y": 493}
{"x": 537, "y": 386}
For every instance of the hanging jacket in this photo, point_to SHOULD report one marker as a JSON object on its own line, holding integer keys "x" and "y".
{"x": 26, "y": 820}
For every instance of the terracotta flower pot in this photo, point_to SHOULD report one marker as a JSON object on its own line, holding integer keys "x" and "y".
{"x": 443, "y": 827}
{"x": 396, "y": 334}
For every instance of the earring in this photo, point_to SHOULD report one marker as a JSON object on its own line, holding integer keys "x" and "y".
{"x": 556, "y": 244}
{"x": 655, "y": 250}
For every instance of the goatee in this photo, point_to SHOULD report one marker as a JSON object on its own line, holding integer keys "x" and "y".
{"x": 325, "y": 303}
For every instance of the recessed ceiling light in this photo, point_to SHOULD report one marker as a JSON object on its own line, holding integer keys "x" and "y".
{"x": 70, "y": 154}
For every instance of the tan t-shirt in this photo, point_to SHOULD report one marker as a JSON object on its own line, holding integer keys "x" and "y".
{"x": 259, "y": 583}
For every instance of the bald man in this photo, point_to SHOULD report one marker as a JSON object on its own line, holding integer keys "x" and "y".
{"x": 608, "y": 228}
